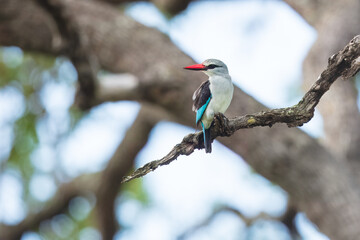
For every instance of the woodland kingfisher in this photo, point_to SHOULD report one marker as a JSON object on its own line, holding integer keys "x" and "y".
{"x": 212, "y": 96}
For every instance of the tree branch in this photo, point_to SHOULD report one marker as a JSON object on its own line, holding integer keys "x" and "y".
{"x": 311, "y": 11}
{"x": 336, "y": 23}
{"x": 118, "y": 87}
{"x": 171, "y": 7}
{"x": 344, "y": 64}
{"x": 287, "y": 219}
{"x": 77, "y": 49}
{"x": 120, "y": 164}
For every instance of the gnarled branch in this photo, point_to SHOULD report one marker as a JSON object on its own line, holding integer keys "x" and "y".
{"x": 345, "y": 64}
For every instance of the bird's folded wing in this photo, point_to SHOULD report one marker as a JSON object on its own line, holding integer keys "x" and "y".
{"x": 201, "y": 97}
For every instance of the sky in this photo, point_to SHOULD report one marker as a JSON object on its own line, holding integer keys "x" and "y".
{"x": 263, "y": 44}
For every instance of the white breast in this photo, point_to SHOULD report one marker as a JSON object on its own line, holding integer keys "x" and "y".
{"x": 222, "y": 90}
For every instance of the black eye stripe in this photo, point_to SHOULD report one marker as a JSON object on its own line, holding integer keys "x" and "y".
{"x": 212, "y": 66}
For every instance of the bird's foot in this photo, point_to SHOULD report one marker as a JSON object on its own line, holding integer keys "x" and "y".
{"x": 222, "y": 122}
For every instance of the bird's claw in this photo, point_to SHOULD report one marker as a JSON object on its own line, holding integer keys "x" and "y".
{"x": 223, "y": 124}
{"x": 222, "y": 119}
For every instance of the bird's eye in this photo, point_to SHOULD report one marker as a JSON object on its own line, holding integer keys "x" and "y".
{"x": 212, "y": 66}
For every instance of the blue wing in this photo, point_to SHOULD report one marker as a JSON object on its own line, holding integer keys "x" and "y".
{"x": 201, "y": 97}
{"x": 201, "y": 110}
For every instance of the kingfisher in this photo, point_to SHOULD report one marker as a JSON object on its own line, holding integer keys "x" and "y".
{"x": 212, "y": 96}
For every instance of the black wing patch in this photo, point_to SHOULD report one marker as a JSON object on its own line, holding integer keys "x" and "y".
{"x": 201, "y": 95}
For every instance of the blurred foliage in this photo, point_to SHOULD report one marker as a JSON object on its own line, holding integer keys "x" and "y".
{"x": 135, "y": 189}
{"x": 29, "y": 74}
{"x": 24, "y": 71}
{"x": 25, "y": 142}
{"x": 71, "y": 224}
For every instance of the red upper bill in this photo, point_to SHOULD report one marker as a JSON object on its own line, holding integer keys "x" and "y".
{"x": 196, "y": 67}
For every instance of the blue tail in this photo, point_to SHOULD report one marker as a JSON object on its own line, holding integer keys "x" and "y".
{"x": 207, "y": 139}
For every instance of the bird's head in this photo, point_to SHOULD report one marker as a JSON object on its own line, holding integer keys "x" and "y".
{"x": 210, "y": 67}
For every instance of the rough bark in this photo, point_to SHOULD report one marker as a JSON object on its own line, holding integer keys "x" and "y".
{"x": 318, "y": 182}
{"x": 336, "y": 23}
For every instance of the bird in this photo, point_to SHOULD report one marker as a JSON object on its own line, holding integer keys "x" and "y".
{"x": 213, "y": 96}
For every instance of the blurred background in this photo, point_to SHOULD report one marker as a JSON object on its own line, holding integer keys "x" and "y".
{"x": 47, "y": 142}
